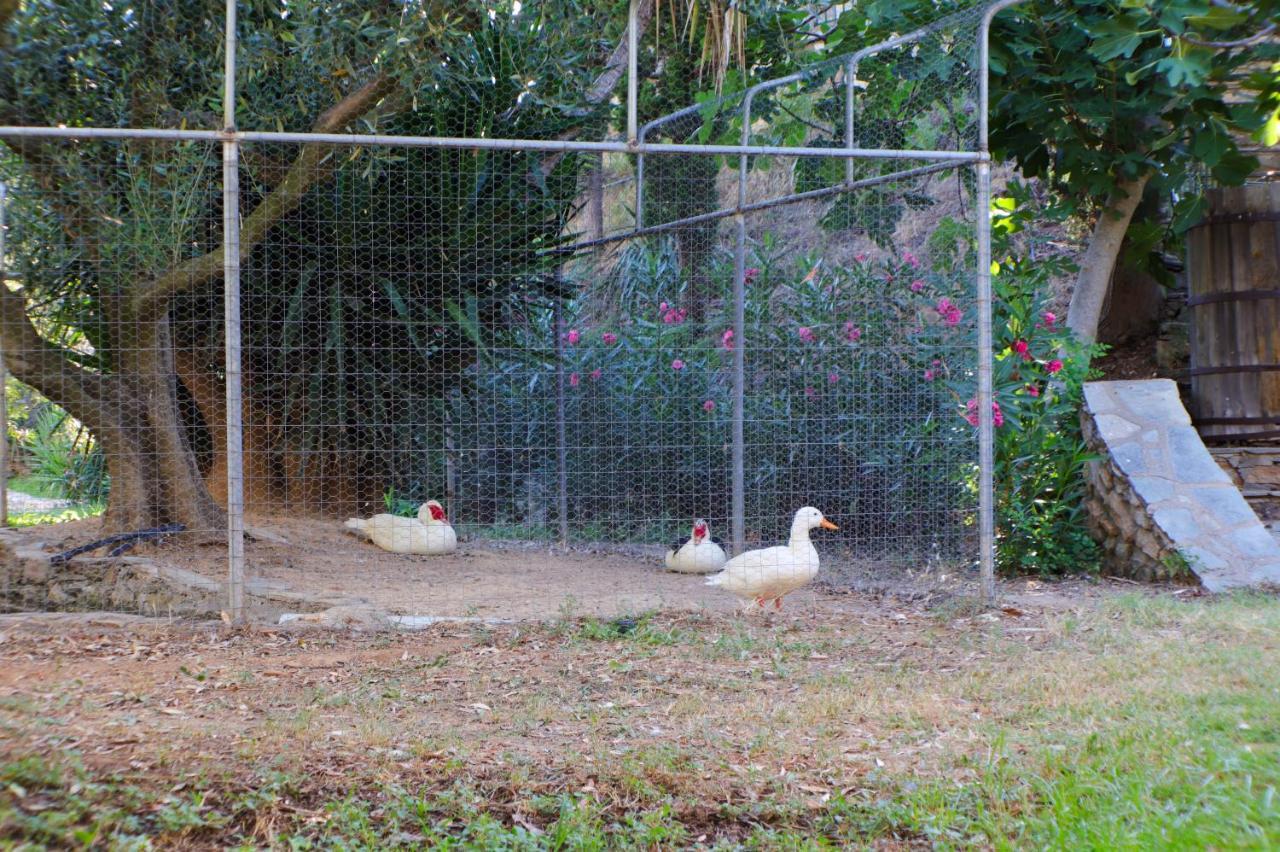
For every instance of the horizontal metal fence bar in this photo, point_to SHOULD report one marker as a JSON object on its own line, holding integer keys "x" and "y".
{"x": 548, "y": 145}
{"x": 755, "y": 206}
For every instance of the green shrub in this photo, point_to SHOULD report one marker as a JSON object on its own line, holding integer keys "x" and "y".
{"x": 64, "y": 458}
{"x": 1040, "y": 453}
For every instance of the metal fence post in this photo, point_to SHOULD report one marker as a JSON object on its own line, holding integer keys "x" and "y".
{"x": 986, "y": 455}
{"x": 633, "y": 82}
{"x": 4, "y": 375}
{"x": 738, "y": 509}
{"x": 562, "y": 451}
{"x": 231, "y": 321}
{"x": 986, "y": 394}
{"x": 450, "y": 464}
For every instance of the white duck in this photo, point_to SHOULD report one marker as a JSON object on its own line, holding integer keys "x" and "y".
{"x": 769, "y": 574}
{"x": 430, "y": 533}
{"x": 701, "y": 554}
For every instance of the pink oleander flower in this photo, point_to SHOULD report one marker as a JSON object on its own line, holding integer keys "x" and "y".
{"x": 709, "y": 406}
{"x": 1050, "y": 318}
{"x": 671, "y": 317}
{"x": 572, "y": 337}
{"x": 749, "y": 274}
{"x": 806, "y": 334}
{"x": 971, "y": 413}
{"x": 1033, "y": 390}
{"x": 677, "y": 364}
{"x": 609, "y": 338}
{"x": 596, "y": 374}
{"x": 917, "y": 286}
{"x": 1023, "y": 349}
{"x": 663, "y": 308}
{"x": 852, "y": 333}
{"x": 574, "y": 379}
{"x": 910, "y": 260}
{"x": 860, "y": 257}
{"x": 937, "y": 362}
{"x": 950, "y": 314}
{"x": 833, "y": 377}
{"x": 1053, "y": 366}
{"x": 726, "y": 340}
{"x": 929, "y": 375}
{"x": 811, "y": 393}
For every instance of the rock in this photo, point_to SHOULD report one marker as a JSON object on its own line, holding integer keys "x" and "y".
{"x": 1158, "y": 495}
{"x": 349, "y": 617}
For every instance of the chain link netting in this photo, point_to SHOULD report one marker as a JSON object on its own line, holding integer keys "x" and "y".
{"x": 545, "y": 338}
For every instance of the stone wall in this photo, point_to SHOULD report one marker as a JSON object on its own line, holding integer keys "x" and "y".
{"x": 1255, "y": 470}
{"x": 30, "y": 582}
{"x": 1158, "y": 503}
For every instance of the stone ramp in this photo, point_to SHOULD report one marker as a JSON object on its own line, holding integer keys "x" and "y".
{"x": 1158, "y": 501}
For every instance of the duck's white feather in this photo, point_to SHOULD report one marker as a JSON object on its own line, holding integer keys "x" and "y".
{"x": 768, "y": 573}
{"x": 702, "y": 557}
{"x": 772, "y": 572}
{"x": 408, "y": 535}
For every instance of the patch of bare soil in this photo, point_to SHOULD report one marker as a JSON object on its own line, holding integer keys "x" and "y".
{"x": 1135, "y": 359}
{"x": 701, "y": 710}
{"x": 320, "y": 561}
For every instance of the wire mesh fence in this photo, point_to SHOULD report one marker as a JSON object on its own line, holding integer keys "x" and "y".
{"x": 770, "y": 300}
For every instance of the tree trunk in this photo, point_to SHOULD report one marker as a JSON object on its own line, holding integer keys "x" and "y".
{"x": 262, "y": 490}
{"x": 133, "y": 413}
{"x": 1094, "y": 280}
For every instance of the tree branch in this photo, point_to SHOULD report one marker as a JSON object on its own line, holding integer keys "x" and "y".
{"x": 1261, "y": 35}
{"x": 614, "y": 69}
{"x": 45, "y": 367}
{"x": 604, "y": 84}
{"x": 151, "y": 298}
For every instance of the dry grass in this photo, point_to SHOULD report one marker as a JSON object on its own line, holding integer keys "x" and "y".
{"x": 894, "y": 727}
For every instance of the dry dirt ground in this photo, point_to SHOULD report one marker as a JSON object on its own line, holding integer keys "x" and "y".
{"x": 709, "y": 711}
{"x": 318, "y": 559}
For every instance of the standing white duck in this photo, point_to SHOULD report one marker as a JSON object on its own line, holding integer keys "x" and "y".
{"x": 769, "y": 574}
{"x": 430, "y": 533}
{"x": 701, "y": 554}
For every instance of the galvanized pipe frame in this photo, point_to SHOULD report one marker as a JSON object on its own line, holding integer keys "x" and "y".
{"x": 542, "y": 145}
{"x": 986, "y": 355}
{"x": 4, "y": 374}
{"x": 231, "y": 139}
{"x": 754, "y": 207}
{"x": 231, "y": 321}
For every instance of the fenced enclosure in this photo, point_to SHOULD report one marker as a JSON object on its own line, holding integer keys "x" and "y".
{"x": 570, "y": 321}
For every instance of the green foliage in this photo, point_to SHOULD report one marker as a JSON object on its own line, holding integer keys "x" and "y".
{"x": 1089, "y": 94}
{"x": 839, "y": 408}
{"x": 1040, "y": 454}
{"x": 398, "y": 505}
{"x": 64, "y": 458}
{"x": 1039, "y": 373}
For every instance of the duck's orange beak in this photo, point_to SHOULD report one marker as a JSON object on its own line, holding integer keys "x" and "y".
{"x": 827, "y": 525}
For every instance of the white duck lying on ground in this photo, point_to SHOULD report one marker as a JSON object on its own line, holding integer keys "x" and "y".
{"x": 770, "y": 574}
{"x": 430, "y": 533}
{"x": 701, "y": 554}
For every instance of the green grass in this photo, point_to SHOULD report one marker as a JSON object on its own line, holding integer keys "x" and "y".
{"x": 1141, "y": 723}
{"x": 34, "y": 486}
{"x": 54, "y": 516}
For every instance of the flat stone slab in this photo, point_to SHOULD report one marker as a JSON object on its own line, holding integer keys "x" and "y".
{"x": 1174, "y": 488}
